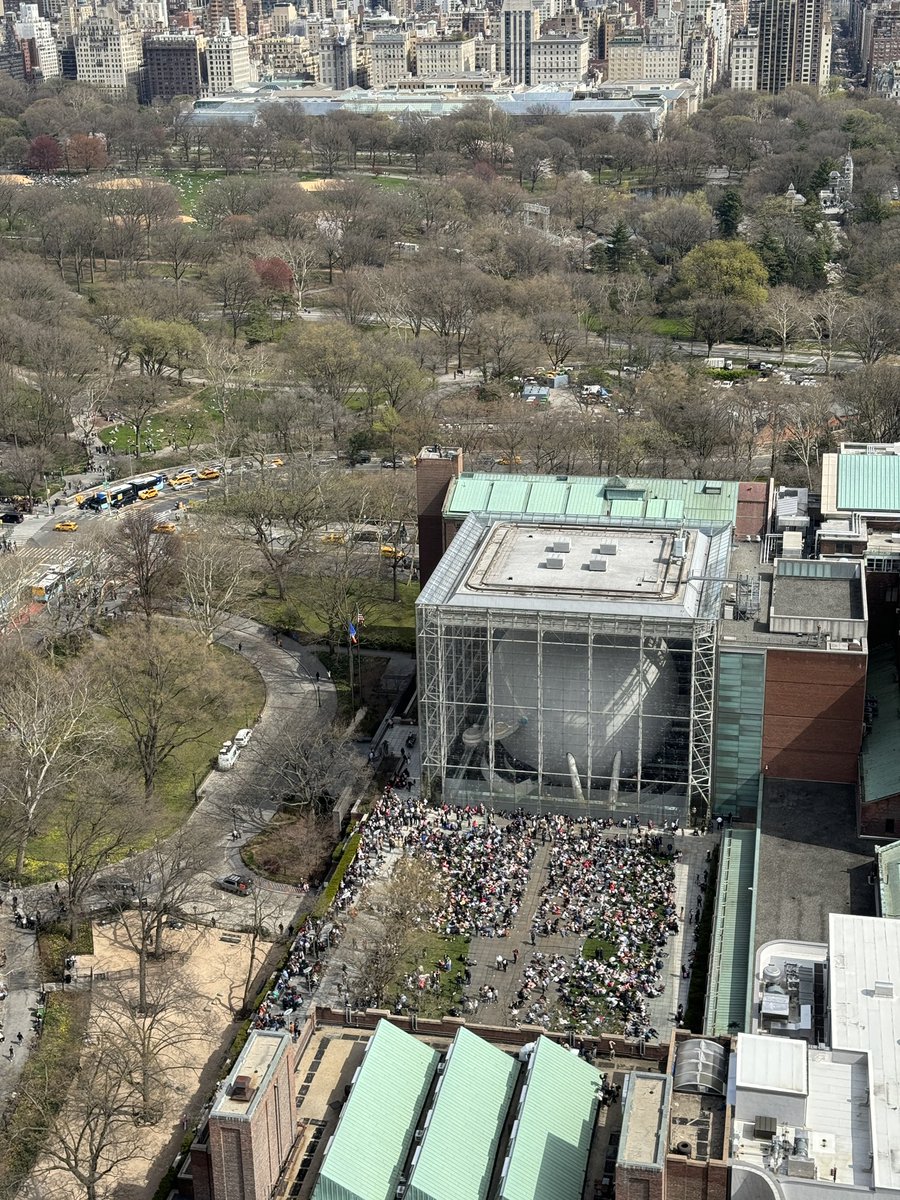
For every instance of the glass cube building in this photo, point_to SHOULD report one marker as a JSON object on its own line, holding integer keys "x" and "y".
{"x": 568, "y": 666}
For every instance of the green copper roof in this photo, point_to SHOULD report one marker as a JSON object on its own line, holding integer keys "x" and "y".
{"x": 372, "y": 1140}
{"x": 881, "y": 747}
{"x": 549, "y": 1151}
{"x": 693, "y": 501}
{"x": 869, "y": 483}
{"x": 465, "y": 1124}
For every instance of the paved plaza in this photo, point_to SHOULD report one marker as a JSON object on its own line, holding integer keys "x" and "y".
{"x": 525, "y": 944}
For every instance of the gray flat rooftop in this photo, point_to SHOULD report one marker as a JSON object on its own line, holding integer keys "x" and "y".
{"x": 579, "y": 567}
{"x": 832, "y": 599}
{"x": 639, "y": 564}
{"x": 645, "y": 1120}
{"x": 256, "y": 1061}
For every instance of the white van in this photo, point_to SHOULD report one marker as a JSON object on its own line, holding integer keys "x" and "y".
{"x": 228, "y": 756}
{"x": 242, "y": 737}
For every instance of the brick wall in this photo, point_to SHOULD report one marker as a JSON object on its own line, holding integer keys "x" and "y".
{"x": 496, "y": 1034}
{"x": 433, "y": 477}
{"x": 247, "y": 1152}
{"x": 880, "y": 818}
{"x": 690, "y": 1179}
{"x": 813, "y": 716}
{"x": 639, "y": 1183}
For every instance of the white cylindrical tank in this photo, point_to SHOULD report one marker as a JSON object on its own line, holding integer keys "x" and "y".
{"x": 590, "y": 698}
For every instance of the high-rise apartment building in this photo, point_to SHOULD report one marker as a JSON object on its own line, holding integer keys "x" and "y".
{"x": 388, "y": 58}
{"x": 227, "y": 61}
{"x": 630, "y": 56}
{"x": 745, "y": 60}
{"x": 12, "y": 61}
{"x": 36, "y": 35}
{"x": 337, "y": 62}
{"x": 444, "y": 56}
{"x": 109, "y": 54}
{"x": 520, "y": 25}
{"x": 794, "y": 43}
{"x": 234, "y": 10}
{"x": 557, "y": 58}
{"x": 175, "y": 65}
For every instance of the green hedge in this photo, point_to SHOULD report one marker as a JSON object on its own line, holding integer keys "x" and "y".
{"x": 326, "y": 900}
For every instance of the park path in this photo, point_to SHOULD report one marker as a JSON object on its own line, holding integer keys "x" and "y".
{"x": 294, "y": 701}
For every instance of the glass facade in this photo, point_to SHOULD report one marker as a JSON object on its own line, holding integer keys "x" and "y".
{"x": 601, "y": 715}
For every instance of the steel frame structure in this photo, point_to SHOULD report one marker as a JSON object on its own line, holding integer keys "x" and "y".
{"x": 455, "y": 656}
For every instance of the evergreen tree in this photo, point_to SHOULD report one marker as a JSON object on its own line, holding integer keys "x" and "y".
{"x": 729, "y": 211}
{"x": 619, "y": 252}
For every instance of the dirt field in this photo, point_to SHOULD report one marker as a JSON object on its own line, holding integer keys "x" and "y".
{"x": 198, "y": 986}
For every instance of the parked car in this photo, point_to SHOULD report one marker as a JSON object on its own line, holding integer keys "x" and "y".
{"x": 12, "y": 518}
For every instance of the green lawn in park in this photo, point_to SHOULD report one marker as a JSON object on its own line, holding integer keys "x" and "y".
{"x": 190, "y": 764}
{"x": 190, "y": 185}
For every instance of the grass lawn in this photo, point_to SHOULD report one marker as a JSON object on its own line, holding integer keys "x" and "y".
{"x": 189, "y": 764}
{"x": 388, "y": 625}
{"x": 121, "y": 437}
{"x": 592, "y": 945}
{"x": 385, "y": 181}
{"x": 432, "y": 947}
{"x": 191, "y": 185}
{"x": 674, "y": 327}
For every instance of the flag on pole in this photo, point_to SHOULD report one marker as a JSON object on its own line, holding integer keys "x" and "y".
{"x": 351, "y": 629}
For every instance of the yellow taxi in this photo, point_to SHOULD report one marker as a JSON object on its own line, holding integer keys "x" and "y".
{"x": 393, "y": 552}
{"x": 334, "y": 537}
{"x": 65, "y": 526}
{"x": 180, "y": 480}
{"x": 277, "y": 462}
{"x": 164, "y": 527}
{"x": 506, "y": 461}
{"x": 148, "y": 494}
{"x": 208, "y": 473}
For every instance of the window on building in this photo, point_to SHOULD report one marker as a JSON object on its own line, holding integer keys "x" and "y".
{"x": 889, "y": 825}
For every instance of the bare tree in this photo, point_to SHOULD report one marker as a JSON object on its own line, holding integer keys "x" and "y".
{"x": 54, "y": 728}
{"x": 92, "y": 1137}
{"x": 154, "y": 1036}
{"x": 146, "y": 557}
{"x": 99, "y": 820}
{"x": 165, "y": 881}
{"x": 782, "y": 315}
{"x": 827, "y": 318}
{"x": 214, "y": 578}
{"x": 159, "y": 682}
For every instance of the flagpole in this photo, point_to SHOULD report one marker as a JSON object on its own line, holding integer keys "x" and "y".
{"x": 350, "y": 652}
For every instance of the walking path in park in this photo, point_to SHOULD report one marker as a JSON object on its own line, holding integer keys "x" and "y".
{"x": 295, "y": 702}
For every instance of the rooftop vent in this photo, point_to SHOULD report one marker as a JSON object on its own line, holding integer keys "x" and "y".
{"x": 243, "y": 1089}
{"x": 679, "y": 546}
{"x": 554, "y": 562}
{"x": 607, "y": 548}
{"x": 562, "y": 545}
{"x": 884, "y": 988}
{"x": 597, "y": 564}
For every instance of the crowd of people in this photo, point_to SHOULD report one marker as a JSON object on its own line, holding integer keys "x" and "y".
{"x": 482, "y": 865}
{"x": 609, "y": 889}
{"x": 615, "y": 893}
